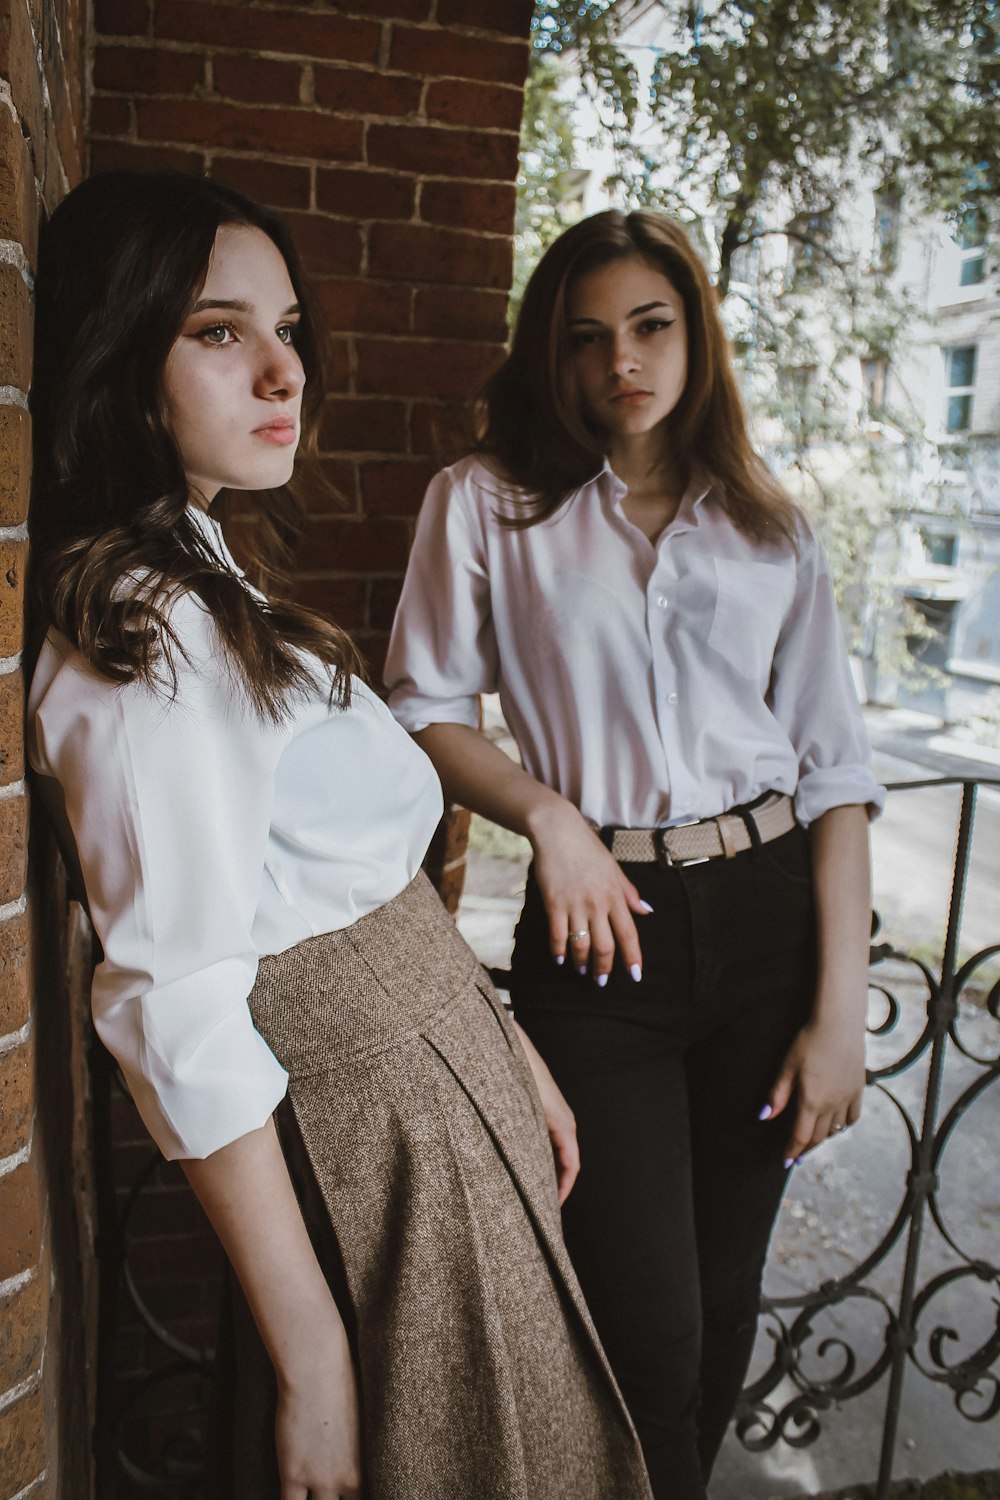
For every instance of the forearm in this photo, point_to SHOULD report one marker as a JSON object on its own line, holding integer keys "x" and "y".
{"x": 842, "y": 882}
{"x": 247, "y": 1194}
{"x": 478, "y": 775}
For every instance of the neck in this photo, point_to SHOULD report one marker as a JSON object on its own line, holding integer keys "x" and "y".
{"x": 642, "y": 464}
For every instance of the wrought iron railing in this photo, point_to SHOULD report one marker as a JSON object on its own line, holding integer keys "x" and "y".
{"x": 786, "y": 1402}
{"x": 912, "y": 1341}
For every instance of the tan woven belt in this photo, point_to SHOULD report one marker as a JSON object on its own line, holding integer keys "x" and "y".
{"x": 712, "y": 838}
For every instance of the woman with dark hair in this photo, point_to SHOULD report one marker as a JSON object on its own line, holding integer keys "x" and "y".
{"x": 691, "y": 958}
{"x": 247, "y": 822}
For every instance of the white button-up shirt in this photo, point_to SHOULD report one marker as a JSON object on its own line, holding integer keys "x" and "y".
{"x": 208, "y": 837}
{"x": 649, "y": 683}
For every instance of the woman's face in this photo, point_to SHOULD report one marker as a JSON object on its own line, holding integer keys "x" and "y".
{"x": 628, "y": 346}
{"x": 233, "y": 379}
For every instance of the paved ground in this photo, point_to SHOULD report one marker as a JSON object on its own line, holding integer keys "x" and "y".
{"x": 841, "y": 1202}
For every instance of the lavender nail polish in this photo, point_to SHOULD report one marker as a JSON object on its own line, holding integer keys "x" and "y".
{"x": 765, "y": 1113}
{"x": 581, "y": 968}
{"x": 645, "y": 908}
{"x": 601, "y": 980}
{"x": 636, "y": 972}
{"x": 560, "y": 958}
{"x": 790, "y": 1161}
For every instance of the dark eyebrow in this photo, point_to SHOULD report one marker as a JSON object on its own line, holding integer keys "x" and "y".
{"x": 635, "y": 313}
{"x": 235, "y": 304}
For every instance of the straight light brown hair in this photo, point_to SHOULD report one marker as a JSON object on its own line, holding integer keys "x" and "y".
{"x": 538, "y": 440}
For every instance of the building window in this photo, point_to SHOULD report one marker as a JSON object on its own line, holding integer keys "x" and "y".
{"x": 886, "y": 236}
{"x": 971, "y": 241}
{"x": 940, "y": 548}
{"x": 808, "y": 236}
{"x": 960, "y": 381}
{"x": 874, "y": 384}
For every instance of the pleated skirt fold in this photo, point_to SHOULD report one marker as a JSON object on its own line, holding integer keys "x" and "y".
{"x": 415, "y": 1137}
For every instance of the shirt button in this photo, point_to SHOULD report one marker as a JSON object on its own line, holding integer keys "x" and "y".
{"x": 662, "y": 601}
{"x": 671, "y": 697}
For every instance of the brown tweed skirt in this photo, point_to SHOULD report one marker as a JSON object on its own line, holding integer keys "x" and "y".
{"x": 416, "y": 1140}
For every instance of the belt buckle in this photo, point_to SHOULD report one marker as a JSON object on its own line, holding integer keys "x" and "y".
{"x": 664, "y": 858}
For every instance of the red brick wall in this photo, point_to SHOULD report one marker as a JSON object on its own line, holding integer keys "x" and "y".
{"x": 47, "y": 1273}
{"x": 387, "y": 132}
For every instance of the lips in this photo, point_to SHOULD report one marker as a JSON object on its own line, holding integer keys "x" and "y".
{"x": 282, "y": 431}
{"x": 630, "y": 398}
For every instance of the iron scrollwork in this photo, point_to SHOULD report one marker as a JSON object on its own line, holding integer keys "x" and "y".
{"x": 914, "y": 1335}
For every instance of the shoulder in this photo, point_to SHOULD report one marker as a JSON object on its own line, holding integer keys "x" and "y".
{"x": 474, "y": 491}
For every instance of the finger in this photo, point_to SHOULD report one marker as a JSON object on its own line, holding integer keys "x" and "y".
{"x": 781, "y": 1092}
{"x": 634, "y": 900}
{"x": 567, "y": 1156}
{"x": 802, "y": 1135}
{"x": 628, "y": 940}
{"x": 602, "y": 948}
{"x": 854, "y": 1110}
{"x": 558, "y": 929}
{"x": 579, "y": 941}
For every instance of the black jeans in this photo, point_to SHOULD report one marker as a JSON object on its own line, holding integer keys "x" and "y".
{"x": 669, "y": 1221}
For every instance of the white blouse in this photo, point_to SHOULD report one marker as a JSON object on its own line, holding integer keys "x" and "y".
{"x": 648, "y": 683}
{"x": 207, "y": 838}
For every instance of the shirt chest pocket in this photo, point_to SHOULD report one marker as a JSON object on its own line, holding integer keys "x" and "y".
{"x": 752, "y": 600}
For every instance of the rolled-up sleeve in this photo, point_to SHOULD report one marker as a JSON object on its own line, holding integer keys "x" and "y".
{"x": 443, "y": 650}
{"x": 813, "y": 698}
{"x": 169, "y": 805}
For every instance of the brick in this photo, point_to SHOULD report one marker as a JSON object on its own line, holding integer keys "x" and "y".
{"x": 362, "y": 306}
{"x": 365, "y": 195}
{"x": 340, "y": 487}
{"x": 440, "y": 54}
{"x": 146, "y": 70}
{"x": 273, "y": 183}
{"x": 362, "y": 93}
{"x": 121, "y": 17}
{"x": 23, "y": 1318}
{"x": 18, "y": 64}
{"x": 254, "y": 79}
{"x": 15, "y": 973}
{"x": 398, "y": 367}
{"x": 385, "y": 597}
{"x": 20, "y": 1223}
{"x": 17, "y": 1081}
{"x": 110, "y": 156}
{"x": 15, "y": 333}
{"x": 11, "y": 728}
{"x": 350, "y": 546}
{"x": 443, "y": 430}
{"x": 458, "y": 313}
{"x": 396, "y": 10}
{"x": 13, "y": 848}
{"x": 512, "y": 17}
{"x": 326, "y": 245}
{"x": 485, "y": 105}
{"x": 412, "y": 252}
{"x": 484, "y": 206}
{"x": 110, "y": 116}
{"x": 282, "y": 131}
{"x": 395, "y": 488}
{"x": 12, "y": 559}
{"x": 342, "y": 600}
{"x": 353, "y": 426}
{"x": 432, "y": 150}
{"x": 19, "y": 206}
{"x": 294, "y": 33}
{"x": 22, "y": 1443}
{"x": 15, "y": 464}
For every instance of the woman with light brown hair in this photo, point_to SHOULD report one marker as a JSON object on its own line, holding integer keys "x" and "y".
{"x": 616, "y": 561}
{"x": 298, "y": 1020}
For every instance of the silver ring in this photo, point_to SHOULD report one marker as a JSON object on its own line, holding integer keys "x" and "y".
{"x": 578, "y": 937}
{"x": 836, "y": 1129}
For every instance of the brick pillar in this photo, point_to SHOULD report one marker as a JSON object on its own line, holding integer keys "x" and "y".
{"x": 47, "y": 1282}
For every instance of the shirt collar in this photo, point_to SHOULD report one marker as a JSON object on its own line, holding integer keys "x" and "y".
{"x": 211, "y": 534}
{"x": 613, "y": 490}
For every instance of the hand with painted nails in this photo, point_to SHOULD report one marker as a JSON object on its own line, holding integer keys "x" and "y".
{"x": 559, "y": 1119}
{"x": 824, "y": 1072}
{"x": 590, "y": 903}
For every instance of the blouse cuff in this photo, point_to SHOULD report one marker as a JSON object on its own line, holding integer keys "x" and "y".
{"x": 837, "y": 786}
{"x": 416, "y": 711}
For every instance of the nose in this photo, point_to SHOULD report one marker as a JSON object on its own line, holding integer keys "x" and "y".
{"x": 280, "y": 373}
{"x": 624, "y": 356}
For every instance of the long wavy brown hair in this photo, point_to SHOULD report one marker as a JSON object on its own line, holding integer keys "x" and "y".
{"x": 121, "y": 264}
{"x": 536, "y": 438}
